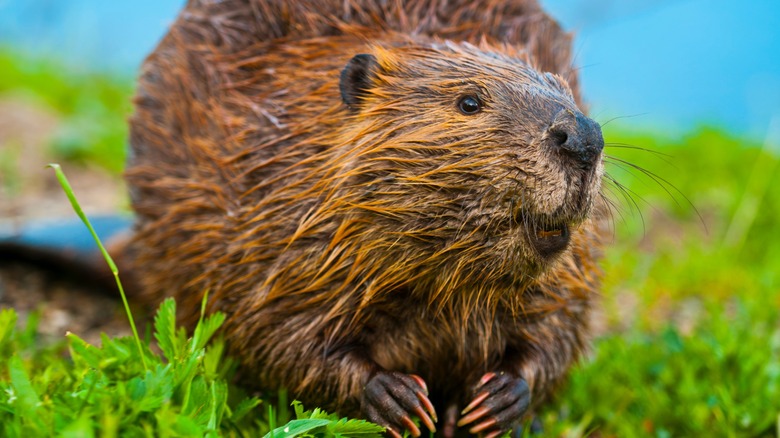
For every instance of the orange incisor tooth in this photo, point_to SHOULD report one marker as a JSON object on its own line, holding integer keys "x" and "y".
{"x": 555, "y": 233}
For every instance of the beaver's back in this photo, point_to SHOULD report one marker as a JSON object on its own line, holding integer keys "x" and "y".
{"x": 234, "y": 24}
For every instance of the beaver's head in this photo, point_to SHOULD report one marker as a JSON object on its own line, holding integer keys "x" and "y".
{"x": 467, "y": 150}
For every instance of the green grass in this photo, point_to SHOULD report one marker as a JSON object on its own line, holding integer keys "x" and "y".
{"x": 691, "y": 305}
{"x": 119, "y": 390}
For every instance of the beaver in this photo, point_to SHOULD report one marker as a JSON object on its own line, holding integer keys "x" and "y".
{"x": 396, "y": 204}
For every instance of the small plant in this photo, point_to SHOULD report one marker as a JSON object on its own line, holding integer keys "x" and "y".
{"x": 318, "y": 423}
{"x": 108, "y": 391}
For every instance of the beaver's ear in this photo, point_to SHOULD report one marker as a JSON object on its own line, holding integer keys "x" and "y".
{"x": 356, "y": 78}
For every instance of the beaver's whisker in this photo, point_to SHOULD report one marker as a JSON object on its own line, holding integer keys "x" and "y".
{"x": 612, "y": 203}
{"x": 621, "y": 117}
{"x": 655, "y": 177}
{"x": 638, "y": 148}
{"x": 611, "y": 208}
{"x": 662, "y": 182}
{"x": 629, "y": 195}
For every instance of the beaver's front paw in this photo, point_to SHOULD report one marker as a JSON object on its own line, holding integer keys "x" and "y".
{"x": 500, "y": 401}
{"x": 390, "y": 399}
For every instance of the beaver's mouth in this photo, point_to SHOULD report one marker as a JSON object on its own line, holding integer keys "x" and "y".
{"x": 547, "y": 237}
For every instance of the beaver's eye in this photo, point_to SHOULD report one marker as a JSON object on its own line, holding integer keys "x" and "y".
{"x": 469, "y": 105}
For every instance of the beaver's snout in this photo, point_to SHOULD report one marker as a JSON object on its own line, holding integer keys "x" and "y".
{"x": 577, "y": 136}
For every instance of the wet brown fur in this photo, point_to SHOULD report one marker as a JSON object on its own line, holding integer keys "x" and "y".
{"x": 336, "y": 241}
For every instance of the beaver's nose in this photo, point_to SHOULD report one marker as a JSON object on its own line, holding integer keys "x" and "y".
{"x": 577, "y": 136}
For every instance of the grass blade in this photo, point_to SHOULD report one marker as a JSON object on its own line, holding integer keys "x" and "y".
{"x": 114, "y": 270}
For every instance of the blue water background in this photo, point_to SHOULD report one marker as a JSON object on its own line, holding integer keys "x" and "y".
{"x": 666, "y": 65}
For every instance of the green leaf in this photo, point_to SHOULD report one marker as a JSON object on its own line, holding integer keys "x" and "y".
{"x": 83, "y": 352}
{"x": 299, "y": 411}
{"x": 185, "y": 426}
{"x": 356, "y": 428}
{"x": 244, "y": 407}
{"x": 28, "y": 337}
{"x": 319, "y": 422}
{"x": 151, "y": 391}
{"x": 206, "y": 329}
{"x": 197, "y": 406}
{"x": 117, "y": 351}
{"x": 7, "y": 333}
{"x": 165, "y": 329}
{"x": 297, "y": 427}
{"x": 27, "y": 400}
{"x": 213, "y": 357}
{"x": 218, "y": 400}
{"x": 7, "y": 324}
{"x": 83, "y": 427}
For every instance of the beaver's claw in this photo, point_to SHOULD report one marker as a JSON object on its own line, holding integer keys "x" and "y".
{"x": 500, "y": 401}
{"x": 391, "y": 399}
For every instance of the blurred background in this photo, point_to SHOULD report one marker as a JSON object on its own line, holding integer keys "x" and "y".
{"x": 670, "y": 63}
{"x": 688, "y": 92}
